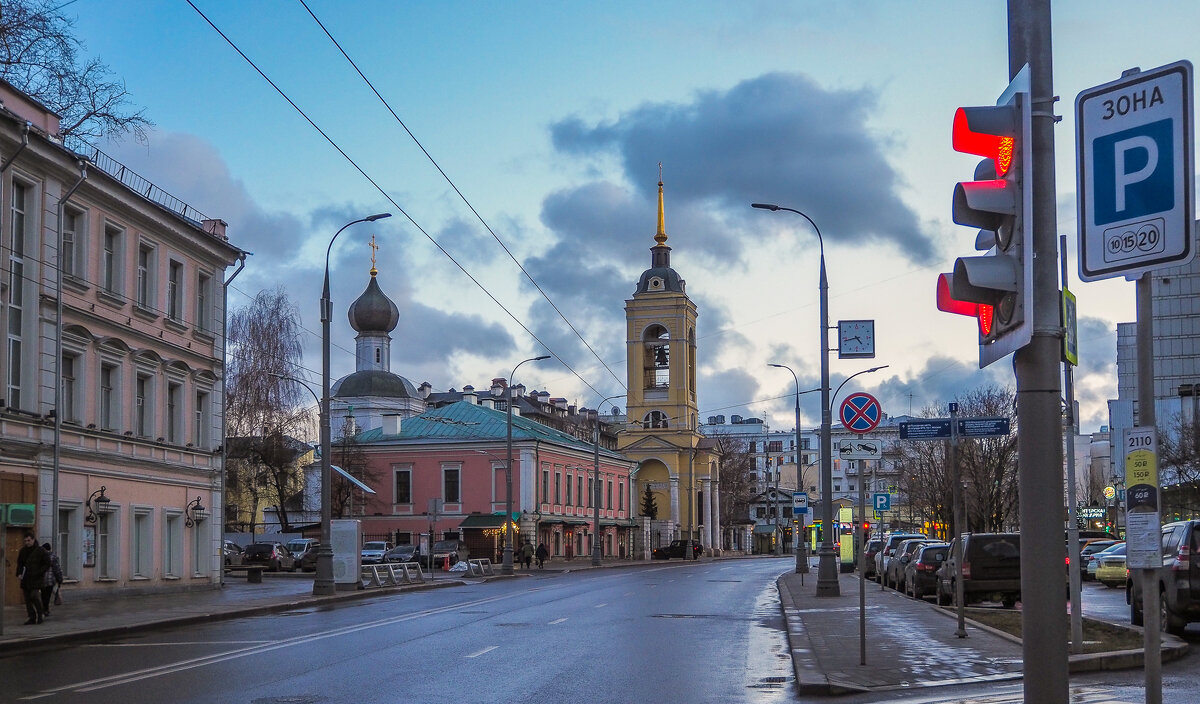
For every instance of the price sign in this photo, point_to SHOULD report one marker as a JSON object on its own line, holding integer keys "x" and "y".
{"x": 1143, "y": 527}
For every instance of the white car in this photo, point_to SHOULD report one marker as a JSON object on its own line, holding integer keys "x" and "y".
{"x": 372, "y": 552}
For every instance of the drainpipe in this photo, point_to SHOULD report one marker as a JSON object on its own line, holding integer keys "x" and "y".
{"x": 58, "y": 352}
{"x": 24, "y": 143}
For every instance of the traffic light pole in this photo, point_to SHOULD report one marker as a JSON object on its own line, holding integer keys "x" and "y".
{"x": 1036, "y": 365}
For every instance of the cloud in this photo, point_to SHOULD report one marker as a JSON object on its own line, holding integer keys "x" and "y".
{"x": 775, "y": 138}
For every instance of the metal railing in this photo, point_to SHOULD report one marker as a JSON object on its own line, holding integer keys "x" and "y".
{"x": 132, "y": 180}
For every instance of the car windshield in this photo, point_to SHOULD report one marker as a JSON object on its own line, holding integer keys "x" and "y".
{"x": 297, "y": 546}
{"x": 404, "y": 548}
{"x": 260, "y": 548}
{"x": 375, "y": 546}
{"x": 1118, "y": 549}
{"x": 1093, "y": 548}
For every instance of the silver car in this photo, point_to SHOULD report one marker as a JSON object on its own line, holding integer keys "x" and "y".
{"x": 372, "y": 552}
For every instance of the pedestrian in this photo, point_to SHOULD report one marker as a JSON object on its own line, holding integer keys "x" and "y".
{"x": 542, "y": 553}
{"x": 32, "y": 564}
{"x": 527, "y": 554}
{"x": 53, "y": 579}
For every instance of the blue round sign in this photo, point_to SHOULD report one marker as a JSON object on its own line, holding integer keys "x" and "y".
{"x": 860, "y": 413}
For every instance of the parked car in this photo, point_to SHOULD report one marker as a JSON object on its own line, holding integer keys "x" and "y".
{"x": 920, "y": 574}
{"x": 1094, "y": 564}
{"x": 404, "y": 553}
{"x": 1110, "y": 566}
{"x": 372, "y": 551}
{"x": 305, "y": 552}
{"x": 890, "y": 541}
{"x": 1088, "y": 552}
{"x": 232, "y": 553}
{"x": 991, "y": 569}
{"x": 274, "y": 555}
{"x": 874, "y": 545}
{"x": 894, "y": 577}
{"x": 1178, "y": 579}
{"x": 675, "y": 549}
{"x": 455, "y": 550}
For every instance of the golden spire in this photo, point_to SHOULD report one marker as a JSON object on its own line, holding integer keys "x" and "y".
{"x": 373, "y": 247}
{"x": 661, "y": 237}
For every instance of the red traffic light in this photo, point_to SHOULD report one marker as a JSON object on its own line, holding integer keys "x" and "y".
{"x": 997, "y": 147}
{"x": 982, "y": 312}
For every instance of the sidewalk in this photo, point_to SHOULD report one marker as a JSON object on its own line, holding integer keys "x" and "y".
{"x": 909, "y": 644}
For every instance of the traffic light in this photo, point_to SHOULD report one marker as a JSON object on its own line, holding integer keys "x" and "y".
{"x": 999, "y": 202}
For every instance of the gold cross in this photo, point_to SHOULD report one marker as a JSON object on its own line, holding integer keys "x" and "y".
{"x": 373, "y": 247}
{"x": 660, "y": 171}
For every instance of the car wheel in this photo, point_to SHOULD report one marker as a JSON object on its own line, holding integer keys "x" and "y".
{"x": 1008, "y": 602}
{"x": 1167, "y": 620}
{"x": 1135, "y": 613}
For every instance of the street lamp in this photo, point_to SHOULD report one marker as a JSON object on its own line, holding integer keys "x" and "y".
{"x": 596, "y": 488}
{"x": 801, "y": 546}
{"x": 827, "y": 567}
{"x": 323, "y": 584}
{"x": 506, "y": 565}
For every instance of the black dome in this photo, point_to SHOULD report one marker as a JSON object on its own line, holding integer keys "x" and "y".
{"x": 373, "y": 311}
{"x": 373, "y": 382}
{"x": 667, "y": 279}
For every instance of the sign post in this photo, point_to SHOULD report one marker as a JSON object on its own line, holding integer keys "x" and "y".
{"x": 800, "y": 516}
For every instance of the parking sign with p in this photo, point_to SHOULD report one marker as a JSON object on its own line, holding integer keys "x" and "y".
{"x": 1135, "y": 182}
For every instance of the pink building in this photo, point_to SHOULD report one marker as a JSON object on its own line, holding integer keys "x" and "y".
{"x": 113, "y": 307}
{"x": 457, "y": 453}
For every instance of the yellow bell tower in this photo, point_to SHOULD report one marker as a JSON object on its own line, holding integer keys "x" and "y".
{"x": 676, "y": 461}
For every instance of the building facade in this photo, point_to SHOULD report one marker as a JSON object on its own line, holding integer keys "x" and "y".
{"x": 114, "y": 312}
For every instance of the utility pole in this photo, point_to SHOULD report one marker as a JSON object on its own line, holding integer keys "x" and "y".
{"x": 1039, "y": 447}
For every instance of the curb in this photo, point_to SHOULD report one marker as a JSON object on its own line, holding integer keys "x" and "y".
{"x": 43, "y": 642}
{"x": 810, "y": 679}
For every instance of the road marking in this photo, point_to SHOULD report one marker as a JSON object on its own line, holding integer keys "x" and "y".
{"x": 192, "y": 663}
{"x": 488, "y": 649}
{"x": 192, "y": 642}
{"x": 556, "y": 621}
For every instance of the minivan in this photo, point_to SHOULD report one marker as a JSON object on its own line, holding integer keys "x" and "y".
{"x": 305, "y": 552}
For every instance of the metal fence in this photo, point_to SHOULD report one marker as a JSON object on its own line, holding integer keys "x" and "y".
{"x": 132, "y": 180}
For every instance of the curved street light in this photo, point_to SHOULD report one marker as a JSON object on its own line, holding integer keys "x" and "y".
{"x": 506, "y": 565}
{"x": 323, "y": 583}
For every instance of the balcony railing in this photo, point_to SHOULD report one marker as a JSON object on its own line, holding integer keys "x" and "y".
{"x": 134, "y": 181}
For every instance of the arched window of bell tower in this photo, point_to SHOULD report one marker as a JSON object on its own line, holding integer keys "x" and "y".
{"x": 691, "y": 363}
{"x": 654, "y": 419}
{"x": 656, "y": 357}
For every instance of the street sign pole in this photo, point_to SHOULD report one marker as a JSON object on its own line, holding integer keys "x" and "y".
{"x": 862, "y": 566}
{"x": 959, "y": 523}
{"x": 1074, "y": 577}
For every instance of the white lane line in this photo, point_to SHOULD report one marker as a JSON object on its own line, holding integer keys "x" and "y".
{"x": 192, "y": 642}
{"x": 556, "y": 621}
{"x": 488, "y": 649}
{"x": 600, "y": 606}
{"x": 134, "y": 676}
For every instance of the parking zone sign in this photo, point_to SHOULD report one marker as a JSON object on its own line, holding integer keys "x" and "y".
{"x": 1135, "y": 175}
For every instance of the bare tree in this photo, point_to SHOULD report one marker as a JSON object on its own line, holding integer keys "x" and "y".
{"x": 348, "y": 454}
{"x": 737, "y": 479}
{"x": 265, "y": 409}
{"x": 40, "y": 55}
{"x": 1179, "y": 450}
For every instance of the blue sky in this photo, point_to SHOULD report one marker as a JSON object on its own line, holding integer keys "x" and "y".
{"x": 552, "y": 118}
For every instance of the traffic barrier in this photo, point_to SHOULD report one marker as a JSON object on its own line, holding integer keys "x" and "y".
{"x": 392, "y": 574}
{"x": 481, "y": 567}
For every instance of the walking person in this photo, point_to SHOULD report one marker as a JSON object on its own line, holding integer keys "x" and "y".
{"x": 527, "y": 554}
{"x": 53, "y": 579}
{"x": 32, "y": 565}
{"x": 541, "y": 554}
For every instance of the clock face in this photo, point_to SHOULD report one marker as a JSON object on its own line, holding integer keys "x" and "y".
{"x": 856, "y": 339}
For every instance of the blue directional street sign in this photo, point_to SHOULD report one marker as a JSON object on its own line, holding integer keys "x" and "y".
{"x": 882, "y": 502}
{"x": 932, "y": 429}
{"x": 1136, "y": 187}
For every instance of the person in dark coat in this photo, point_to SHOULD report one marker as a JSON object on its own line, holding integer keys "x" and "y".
{"x": 32, "y": 565}
{"x": 542, "y": 553}
{"x": 527, "y": 554}
{"x": 53, "y": 579}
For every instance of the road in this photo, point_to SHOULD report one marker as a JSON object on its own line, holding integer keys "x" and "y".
{"x": 702, "y": 632}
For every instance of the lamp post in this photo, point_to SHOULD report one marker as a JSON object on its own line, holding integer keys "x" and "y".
{"x": 801, "y": 552}
{"x": 506, "y": 565}
{"x": 323, "y": 584}
{"x": 596, "y": 474}
{"x": 827, "y": 568}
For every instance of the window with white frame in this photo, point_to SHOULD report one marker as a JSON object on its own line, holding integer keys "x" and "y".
{"x": 557, "y": 487}
{"x": 20, "y": 205}
{"x": 172, "y": 543}
{"x": 608, "y": 491}
{"x": 175, "y": 290}
{"x": 174, "y": 412}
{"x": 70, "y": 387}
{"x": 579, "y": 493}
{"x": 73, "y": 244}
{"x": 201, "y": 547}
{"x": 141, "y": 543}
{"x": 200, "y": 419}
{"x": 545, "y": 486}
{"x": 145, "y": 276}
{"x": 203, "y": 300}
{"x": 402, "y": 481}
{"x": 110, "y": 262}
{"x": 108, "y": 544}
{"x": 567, "y": 487}
{"x": 451, "y": 488}
{"x": 68, "y": 544}
{"x": 107, "y": 399}
{"x": 143, "y": 393}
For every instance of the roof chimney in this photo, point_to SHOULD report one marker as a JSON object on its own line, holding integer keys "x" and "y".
{"x": 215, "y": 227}
{"x": 391, "y": 424}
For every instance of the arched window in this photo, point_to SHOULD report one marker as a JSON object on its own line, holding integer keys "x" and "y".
{"x": 654, "y": 419}
{"x": 656, "y": 364}
{"x": 691, "y": 363}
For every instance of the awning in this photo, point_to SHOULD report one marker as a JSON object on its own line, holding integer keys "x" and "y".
{"x": 764, "y": 529}
{"x": 481, "y": 520}
{"x": 351, "y": 479}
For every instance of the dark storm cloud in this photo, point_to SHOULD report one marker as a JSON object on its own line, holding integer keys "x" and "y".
{"x": 941, "y": 380}
{"x": 776, "y": 138}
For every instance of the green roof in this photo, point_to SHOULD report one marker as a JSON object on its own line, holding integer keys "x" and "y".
{"x": 465, "y": 421}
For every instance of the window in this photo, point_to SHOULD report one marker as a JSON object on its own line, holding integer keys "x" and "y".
{"x": 202, "y": 548}
{"x": 558, "y": 487}
{"x": 608, "y": 487}
{"x": 654, "y": 419}
{"x": 775, "y": 446}
{"x": 203, "y": 300}
{"x": 567, "y": 497}
{"x": 110, "y": 268}
{"x": 200, "y": 427}
{"x": 402, "y": 481}
{"x": 16, "y": 292}
{"x": 108, "y": 397}
{"x": 143, "y": 387}
{"x": 68, "y": 545}
{"x": 174, "y": 290}
{"x": 579, "y": 493}
{"x": 173, "y": 545}
{"x": 450, "y": 486}
{"x": 145, "y": 276}
{"x": 656, "y": 359}
{"x": 591, "y": 495}
{"x": 378, "y": 355}
{"x": 621, "y": 495}
{"x": 70, "y": 242}
{"x": 108, "y": 554}
{"x": 174, "y": 413}
{"x": 760, "y": 512}
{"x": 545, "y": 486}
{"x": 70, "y": 390}
{"x": 141, "y": 559}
